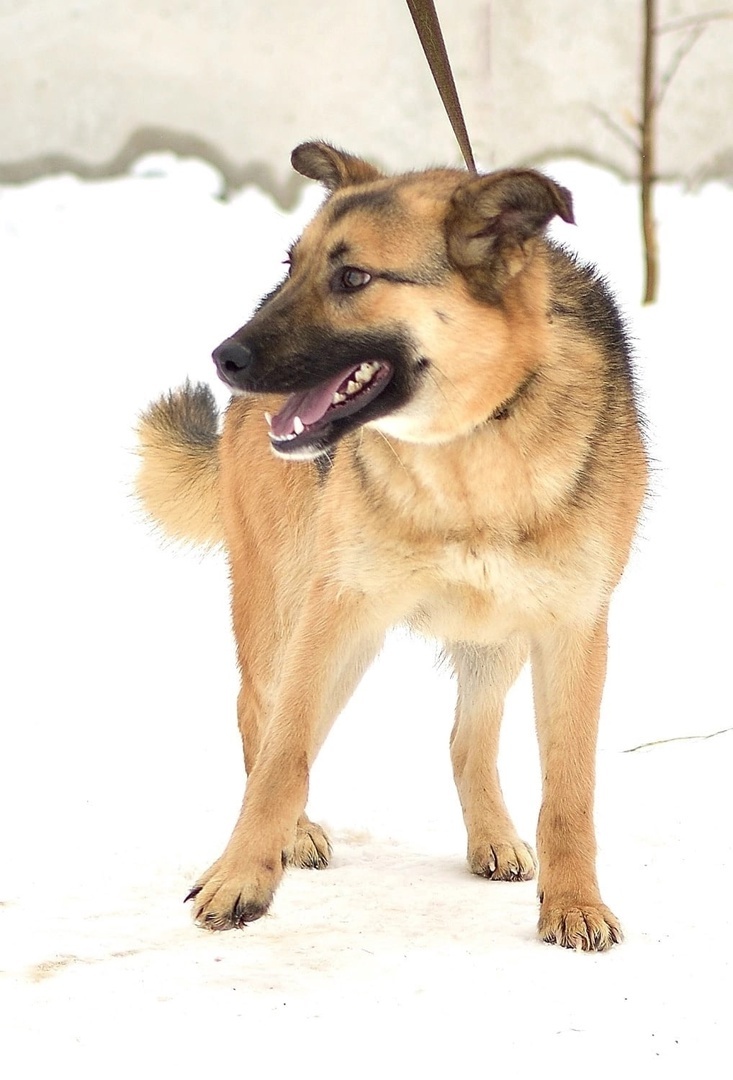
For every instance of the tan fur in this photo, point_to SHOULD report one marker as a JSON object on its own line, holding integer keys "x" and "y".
{"x": 494, "y": 510}
{"x": 178, "y": 480}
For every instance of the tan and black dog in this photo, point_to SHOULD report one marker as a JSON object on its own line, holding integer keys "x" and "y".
{"x": 433, "y": 423}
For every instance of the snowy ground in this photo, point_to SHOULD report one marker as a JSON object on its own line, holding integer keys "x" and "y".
{"x": 120, "y": 768}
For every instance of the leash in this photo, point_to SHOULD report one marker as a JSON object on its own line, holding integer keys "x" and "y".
{"x": 425, "y": 18}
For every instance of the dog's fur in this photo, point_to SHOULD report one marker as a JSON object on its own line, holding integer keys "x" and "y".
{"x": 484, "y": 489}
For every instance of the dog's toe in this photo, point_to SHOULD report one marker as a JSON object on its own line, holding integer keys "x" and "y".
{"x": 584, "y": 927}
{"x": 312, "y": 848}
{"x": 502, "y": 860}
{"x": 228, "y": 897}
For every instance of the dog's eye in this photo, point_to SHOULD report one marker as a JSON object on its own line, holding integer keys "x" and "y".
{"x": 349, "y": 278}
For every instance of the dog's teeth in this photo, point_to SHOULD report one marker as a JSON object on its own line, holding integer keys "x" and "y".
{"x": 298, "y": 426}
{"x": 268, "y": 417}
{"x": 362, "y": 376}
{"x": 351, "y": 387}
{"x": 338, "y": 398}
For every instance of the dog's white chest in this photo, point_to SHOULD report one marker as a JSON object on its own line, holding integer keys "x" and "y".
{"x": 485, "y": 593}
{"x": 495, "y": 570}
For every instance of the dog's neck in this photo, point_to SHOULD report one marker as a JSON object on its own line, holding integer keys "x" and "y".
{"x": 508, "y": 475}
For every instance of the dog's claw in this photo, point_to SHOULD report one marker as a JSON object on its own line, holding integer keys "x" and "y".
{"x": 583, "y": 927}
{"x": 193, "y": 893}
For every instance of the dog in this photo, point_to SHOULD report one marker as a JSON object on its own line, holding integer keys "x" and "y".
{"x": 433, "y": 422}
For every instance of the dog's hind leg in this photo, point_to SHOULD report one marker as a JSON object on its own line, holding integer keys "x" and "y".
{"x": 330, "y": 647}
{"x": 485, "y": 674}
{"x": 568, "y": 670}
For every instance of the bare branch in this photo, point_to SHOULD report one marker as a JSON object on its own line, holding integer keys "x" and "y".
{"x": 653, "y": 92}
{"x": 617, "y": 130}
{"x": 647, "y": 155}
{"x": 690, "y": 41}
{"x": 676, "y": 738}
{"x": 692, "y": 21}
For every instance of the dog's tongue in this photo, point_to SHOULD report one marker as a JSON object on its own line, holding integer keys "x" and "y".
{"x": 309, "y": 405}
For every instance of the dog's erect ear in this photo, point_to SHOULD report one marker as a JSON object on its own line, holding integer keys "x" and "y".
{"x": 494, "y": 219}
{"x": 332, "y": 168}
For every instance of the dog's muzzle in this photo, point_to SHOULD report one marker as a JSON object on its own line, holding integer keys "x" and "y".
{"x": 233, "y": 360}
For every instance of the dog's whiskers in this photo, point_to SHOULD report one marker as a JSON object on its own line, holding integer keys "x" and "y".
{"x": 441, "y": 389}
{"x": 392, "y": 448}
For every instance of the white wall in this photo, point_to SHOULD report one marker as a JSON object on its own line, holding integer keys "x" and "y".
{"x": 88, "y": 84}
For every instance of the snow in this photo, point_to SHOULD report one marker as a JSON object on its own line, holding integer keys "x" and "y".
{"x": 120, "y": 769}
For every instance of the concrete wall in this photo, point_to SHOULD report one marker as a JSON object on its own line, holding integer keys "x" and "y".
{"x": 89, "y": 84}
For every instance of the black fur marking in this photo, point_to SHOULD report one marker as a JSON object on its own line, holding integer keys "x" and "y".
{"x": 368, "y": 199}
{"x": 372, "y": 490}
{"x": 338, "y": 252}
{"x": 418, "y": 278}
{"x": 361, "y": 471}
{"x": 579, "y": 292}
{"x": 323, "y": 464}
{"x": 581, "y": 296}
{"x": 506, "y": 407}
{"x": 288, "y": 358}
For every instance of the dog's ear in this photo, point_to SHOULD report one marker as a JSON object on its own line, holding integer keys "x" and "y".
{"x": 332, "y": 168}
{"x": 493, "y": 221}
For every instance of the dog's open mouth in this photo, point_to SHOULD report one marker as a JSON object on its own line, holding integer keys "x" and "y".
{"x": 307, "y": 414}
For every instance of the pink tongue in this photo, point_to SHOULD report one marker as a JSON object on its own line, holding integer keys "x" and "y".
{"x": 310, "y": 405}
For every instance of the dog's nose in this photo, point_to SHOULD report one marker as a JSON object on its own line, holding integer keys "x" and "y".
{"x": 231, "y": 357}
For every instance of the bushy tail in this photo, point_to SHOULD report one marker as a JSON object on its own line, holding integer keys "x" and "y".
{"x": 178, "y": 481}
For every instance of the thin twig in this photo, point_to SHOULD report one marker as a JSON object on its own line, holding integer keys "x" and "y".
{"x": 692, "y": 20}
{"x": 677, "y": 738}
{"x": 622, "y": 133}
{"x": 690, "y": 41}
{"x": 647, "y": 163}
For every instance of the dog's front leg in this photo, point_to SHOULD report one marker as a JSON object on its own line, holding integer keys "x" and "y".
{"x": 335, "y": 640}
{"x": 485, "y": 674}
{"x": 568, "y": 668}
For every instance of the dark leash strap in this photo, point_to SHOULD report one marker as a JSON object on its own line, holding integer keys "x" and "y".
{"x": 425, "y": 18}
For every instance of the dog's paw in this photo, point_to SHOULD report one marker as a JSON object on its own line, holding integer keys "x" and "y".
{"x": 312, "y": 848}
{"x": 502, "y": 860}
{"x": 585, "y": 927}
{"x": 226, "y": 896}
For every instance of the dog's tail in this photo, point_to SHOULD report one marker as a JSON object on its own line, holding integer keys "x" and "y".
{"x": 178, "y": 481}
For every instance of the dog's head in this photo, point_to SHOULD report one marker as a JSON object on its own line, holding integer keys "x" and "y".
{"x": 394, "y": 310}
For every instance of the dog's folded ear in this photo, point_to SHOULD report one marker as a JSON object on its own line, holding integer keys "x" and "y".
{"x": 493, "y": 221}
{"x": 331, "y": 167}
